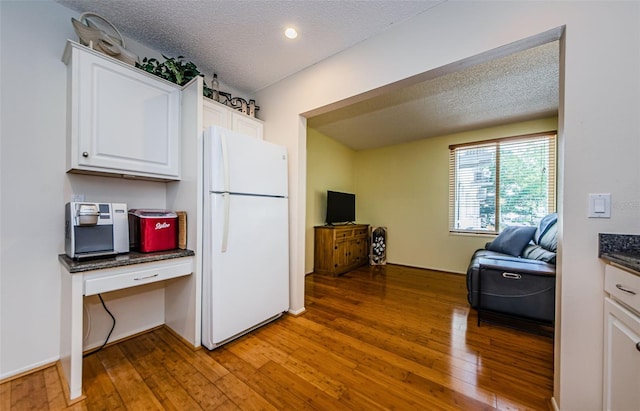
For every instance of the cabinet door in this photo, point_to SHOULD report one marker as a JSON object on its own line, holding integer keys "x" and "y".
{"x": 342, "y": 255}
{"x": 122, "y": 121}
{"x": 215, "y": 114}
{"x": 359, "y": 247}
{"x": 248, "y": 126}
{"x": 622, "y": 358}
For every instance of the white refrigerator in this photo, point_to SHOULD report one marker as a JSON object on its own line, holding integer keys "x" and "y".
{"x": 245, "y": 275}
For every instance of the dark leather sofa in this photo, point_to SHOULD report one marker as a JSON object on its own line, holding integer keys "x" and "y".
{"x": 515, "y": 273}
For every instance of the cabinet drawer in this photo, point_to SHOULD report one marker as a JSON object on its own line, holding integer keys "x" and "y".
{"x": 623, "y": 286}
{"x": 125, "y": 277}
{"x": 361, "y": 232}
{"x": 344, "y": 233}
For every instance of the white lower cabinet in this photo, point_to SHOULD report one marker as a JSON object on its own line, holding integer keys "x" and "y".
{"x": 122, "y": 120}
{"x": 179, "y": 314}
{"x": 621, "y": 342}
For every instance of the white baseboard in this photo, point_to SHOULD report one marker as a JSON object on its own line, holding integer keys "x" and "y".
{"x": 298, "y": 311}
{"x": 28, "y": 368}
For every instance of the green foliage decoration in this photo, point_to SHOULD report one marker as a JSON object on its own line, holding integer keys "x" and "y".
{"x": 173, "y": 69}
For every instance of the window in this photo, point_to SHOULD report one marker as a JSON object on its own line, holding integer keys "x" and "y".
{"x": 509, "y": 181}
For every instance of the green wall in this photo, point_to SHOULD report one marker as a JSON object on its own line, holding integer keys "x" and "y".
{"x": 329, "y": 167}
{"x": 404, "y": 187}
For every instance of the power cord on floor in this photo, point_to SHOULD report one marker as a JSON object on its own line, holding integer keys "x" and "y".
{"x": 110, "y": 331}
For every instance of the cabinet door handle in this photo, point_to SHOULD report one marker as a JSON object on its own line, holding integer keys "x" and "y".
{"x": 85, "y": 154}
{"x": 145, "y": 277}
{"x": 626, "y": 290}
{"x": 638, "y": 346}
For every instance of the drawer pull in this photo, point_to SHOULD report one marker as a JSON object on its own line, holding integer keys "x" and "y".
{"x": 146, "y": 277}
{"x": 626, "y": 290}
{"x": 512, "y": 276}
{"x": 638, "y": 346}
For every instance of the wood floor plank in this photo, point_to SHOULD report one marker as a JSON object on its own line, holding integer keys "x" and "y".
{"x": 376, "y": 338}
{"x": 392, "y": 375}
{"x": 298, "y": 386}
{"x": 148, "y": 362}
{"x": 22, "y": 390}
{"x": 385, "y": 361}
{"x": 101, "y": 393}
{"x": 199, "y": 359}
{"x": 362, "y": 385}
{"x": 269, "y": 389}
{"x": 130, "y": 386}
{"x": 55, "y": 395}
{"x": 5, "y": 396}
{"x": 242, "y": 395}
{"x": 256, "y": 352}
{"x": 200, "y": 388}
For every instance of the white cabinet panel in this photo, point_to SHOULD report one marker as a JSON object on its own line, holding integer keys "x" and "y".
{"x": 621, "y": 359}
{"x": 216, "y": 114}
{"x": 121, "y": 120}
{"x": 622, "y": 286}
{"x": 119, "y": 279}
{"x": 248, "y": 126}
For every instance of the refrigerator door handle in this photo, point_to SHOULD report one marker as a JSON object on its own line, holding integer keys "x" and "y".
{"x": 225, "y": 162}
{"x": 225, "y": 224}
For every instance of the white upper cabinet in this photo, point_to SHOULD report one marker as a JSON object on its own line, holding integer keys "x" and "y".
{"x": 216, "y": 114}
{"x": 246, "y": 125}
{"x": 122, "y": 120}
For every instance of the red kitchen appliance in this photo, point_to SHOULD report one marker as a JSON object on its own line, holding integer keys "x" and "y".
{"x": 153, "y": 230}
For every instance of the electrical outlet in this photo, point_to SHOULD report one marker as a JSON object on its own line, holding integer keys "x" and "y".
{"x": 77, "y": 197}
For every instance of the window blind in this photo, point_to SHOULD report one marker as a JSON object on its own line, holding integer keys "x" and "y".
{"x": 495, "y": 183}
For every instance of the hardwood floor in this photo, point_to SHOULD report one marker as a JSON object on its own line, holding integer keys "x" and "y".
{"x": 387, "y": 337}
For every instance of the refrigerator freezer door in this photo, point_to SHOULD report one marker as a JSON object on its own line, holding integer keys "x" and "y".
{"x": 248, "y": 283}
{"x": 243, "y": 164}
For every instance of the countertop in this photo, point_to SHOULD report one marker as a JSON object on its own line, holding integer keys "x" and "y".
{"x": 620, "y": 249}
{"x": 120, "y": 260}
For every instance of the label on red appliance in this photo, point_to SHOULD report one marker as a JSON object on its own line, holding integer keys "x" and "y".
{"x": 158, "y": 234}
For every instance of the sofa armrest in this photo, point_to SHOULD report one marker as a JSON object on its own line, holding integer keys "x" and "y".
{"x": 519, "y": 287}
{"x": 520, "y": 265}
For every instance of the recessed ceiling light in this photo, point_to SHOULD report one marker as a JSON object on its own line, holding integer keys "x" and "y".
{"x": 291, "y": 33}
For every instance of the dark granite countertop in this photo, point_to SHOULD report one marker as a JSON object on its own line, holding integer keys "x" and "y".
{"x": 121, "y": 260}
{"x": 620, "y": 249}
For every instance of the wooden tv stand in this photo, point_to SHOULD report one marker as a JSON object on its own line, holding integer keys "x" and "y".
{"x": 340, "y": 248}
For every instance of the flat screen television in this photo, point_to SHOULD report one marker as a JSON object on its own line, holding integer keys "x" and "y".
{"x": 341, "y": 207}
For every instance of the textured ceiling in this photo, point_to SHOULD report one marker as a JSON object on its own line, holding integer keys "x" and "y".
{"x": 243, "y": 41}
{"x": 519, "y": 87}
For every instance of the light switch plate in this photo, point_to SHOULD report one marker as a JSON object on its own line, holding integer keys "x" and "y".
{"x": 600, "y": 205}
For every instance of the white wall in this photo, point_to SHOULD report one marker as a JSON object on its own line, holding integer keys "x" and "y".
{"x": 599, "y": 138}
{"x": 34, "y": 188}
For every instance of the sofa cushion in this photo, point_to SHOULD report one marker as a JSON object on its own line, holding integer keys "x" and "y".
{"x": 546, "y": 235}
{"x": 512, "y": 240}
{"x": 536, "y": 252}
